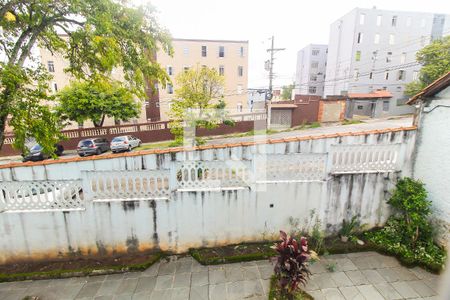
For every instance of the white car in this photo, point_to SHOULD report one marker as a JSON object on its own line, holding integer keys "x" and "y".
{"x": 124, "y": 143}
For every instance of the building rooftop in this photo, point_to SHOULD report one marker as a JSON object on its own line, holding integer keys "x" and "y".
{"x": 434, "y": 88}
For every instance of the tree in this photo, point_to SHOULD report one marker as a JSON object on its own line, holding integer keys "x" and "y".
{"x": 435, "y": 61}
{"x": 286, "y": 92}
{"x": 96, "y": 99}
{"x": 100, "y": 36}
{"x": 199, "y": 100}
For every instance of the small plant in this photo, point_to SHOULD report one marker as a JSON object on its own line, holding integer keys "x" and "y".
{"x": 291, "y": 268}
{"x": 348, "y": 228}
{"x": 314, "y": 125}
{"x": 317, "y": 236}
{"x": 331, "y": 267}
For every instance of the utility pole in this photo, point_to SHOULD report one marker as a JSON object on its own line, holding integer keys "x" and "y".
{"x": 270, "y": 63}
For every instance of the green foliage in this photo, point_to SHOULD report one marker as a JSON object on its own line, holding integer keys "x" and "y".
{"x": 23, "y": 91}
{"x": 331, "y": 267}
{"x": 101, "y": 36}
{"x": 348, "y": 227}
{"x": 408, "y": 233}
{"x": 314, "y": 125}
{"x": 199, "y": 101}
{"x": 286, "y": 92}
{"x": 351, "y": 121}
{"x": 317, "y": 236}
{"x": 96, "y": 99}
{"x": 435, "y": 61}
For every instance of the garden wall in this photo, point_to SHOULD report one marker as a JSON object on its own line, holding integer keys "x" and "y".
{"x": 178, "y": 198}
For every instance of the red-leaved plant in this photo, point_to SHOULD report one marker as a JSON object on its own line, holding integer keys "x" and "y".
{"x": 291, "y": 265}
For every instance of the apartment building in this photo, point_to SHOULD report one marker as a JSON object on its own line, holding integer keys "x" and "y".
{"x": 311, "y": 68}
{"x": 229, "y": 58}
{"x": 373, "y": 49}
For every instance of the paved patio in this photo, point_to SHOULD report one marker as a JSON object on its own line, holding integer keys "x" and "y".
{"x": 365, "y": 275}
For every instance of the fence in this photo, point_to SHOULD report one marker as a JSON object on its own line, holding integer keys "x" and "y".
{"x": 148, "y": 132}
{"x": 214, "y": 195}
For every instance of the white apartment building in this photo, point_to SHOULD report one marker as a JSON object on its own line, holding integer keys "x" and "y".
{"x": 372, "y": 49}
{"x": 311, "y": 69}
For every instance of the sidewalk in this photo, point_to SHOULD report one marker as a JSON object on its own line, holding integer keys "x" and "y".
{"x": 365, "y": 275}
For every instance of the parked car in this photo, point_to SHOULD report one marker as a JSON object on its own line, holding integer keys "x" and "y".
{"x": 94, "y": 146}
{"x": 124, "y": 143}
{"x": 36, "y": 154}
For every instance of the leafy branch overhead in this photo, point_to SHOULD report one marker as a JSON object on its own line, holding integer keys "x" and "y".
{"x": 96, "y": 37}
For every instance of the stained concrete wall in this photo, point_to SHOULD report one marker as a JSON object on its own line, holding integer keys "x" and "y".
{"x": 199, "y": 218}
{"x": 432, "y": 160}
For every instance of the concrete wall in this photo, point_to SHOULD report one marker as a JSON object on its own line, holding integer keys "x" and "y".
{"x": 193, "y": 214}
{"x": 432, "y": 162}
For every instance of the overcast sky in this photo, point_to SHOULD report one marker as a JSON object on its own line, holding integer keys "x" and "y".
{"x": 294, "y": 23}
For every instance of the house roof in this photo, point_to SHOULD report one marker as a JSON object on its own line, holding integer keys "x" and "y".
{"x": 431, "y": 90}
{"x": 372, "y": 95}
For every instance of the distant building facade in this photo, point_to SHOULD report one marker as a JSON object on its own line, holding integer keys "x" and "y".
{"x": 229, "y": 58}
{"x": 311, "y": 69}
{"x": 372, "y": 49}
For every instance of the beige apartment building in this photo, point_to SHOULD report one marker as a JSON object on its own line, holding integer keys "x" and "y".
{"x": 229, "y": 58}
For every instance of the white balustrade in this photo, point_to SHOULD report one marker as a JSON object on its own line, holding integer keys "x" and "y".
{"x": 22, "y": 196}
{"x": 212, "y": 175}
{"x": 94, "y": 132}
{"x": 364, "y": 158}
{"x": 71, "y": 134}
{"x": 290, "y": 167}
{"x": 127, "y": 185}
{"x": 152, "y": 127}
{"x": 9, "y": 140}
{"x": 123, "y": 129}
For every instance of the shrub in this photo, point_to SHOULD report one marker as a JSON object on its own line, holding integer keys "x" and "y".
{"x": 408, "y": 233}
{"x": 348, "y": 227}
{"x": 291, "y": 266}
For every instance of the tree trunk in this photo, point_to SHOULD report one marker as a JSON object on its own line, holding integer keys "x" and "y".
{"x": 99, "y": 124}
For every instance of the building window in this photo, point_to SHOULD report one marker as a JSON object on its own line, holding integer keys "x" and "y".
{"x": 361, "y": 19}
{"x": 315, "y": 52}
{"x": 169, "y": 88}
{"x": 239, "y": 107}
{"x": 423, "y": 22}
{"x": 391, "y": 39}
{"x": 359, "y": 107}
{"x": 403, "y": 58}
{"x": 356, "y": 74}
{"x": 394, "y": 21}
{"x": 51, "y": 66}
{"x": 408, "y": 21}
{"x": 312, "y": 89}
{"x": 169, "y": 70}
{"x": 313, "y": 77}
{"x": 241, "y": 51}
{"x": 204, "y": 51}
{"x": 358, "y": 55}
{"x": 314, "y": 64}
{"x": 370, "y": 75}
{"x": 376, "y": 38}
{"x": 239, "y": 89}
{"x": 186, "y": 69}
{"x": 55, "y": 87}
{"x": 221, "y": 51}
{"x": 379, "y": 20}
{"x": 359, "y": 39}
{"x": 401, "y": 75}
{"x": 186, "y": 51}
{"x": 385, "y": 105}
{"x": 240, "y": 71}
{"x": 386, "y": 75}
{"x": 221, "y": 70}
{"x": 415, "y": 75}
{"x": 389, "y": 57}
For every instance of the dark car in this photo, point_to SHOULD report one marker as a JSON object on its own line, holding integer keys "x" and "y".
{"x": 93, "y": 146}
{"x": 36, "y": 153}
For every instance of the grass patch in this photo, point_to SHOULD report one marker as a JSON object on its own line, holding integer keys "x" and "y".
{"x": 84, "y": 271}
{"x": 351, "y": 121}
{"x": 161, "y": 145}
{"x": 233, "y": 253}
{"x": 274, "y": 293}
